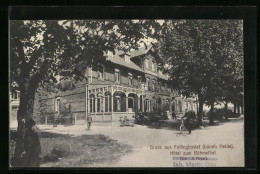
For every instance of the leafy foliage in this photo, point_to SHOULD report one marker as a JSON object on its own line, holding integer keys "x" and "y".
{"x": 204, "y": 57}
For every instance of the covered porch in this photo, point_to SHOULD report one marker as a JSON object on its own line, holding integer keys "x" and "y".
{"x": 110, "y": 102}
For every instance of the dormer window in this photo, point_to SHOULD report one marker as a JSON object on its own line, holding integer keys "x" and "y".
{"x": 153, "y": 66}
{"x": 130, "y": 79}
{"x": 117, "y": 75}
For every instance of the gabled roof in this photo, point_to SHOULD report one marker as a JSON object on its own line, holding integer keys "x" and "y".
{"x": 140, "y": 51}
{"x": 120, "y": 61}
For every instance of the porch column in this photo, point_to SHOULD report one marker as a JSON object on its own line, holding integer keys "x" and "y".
{"x": 112, "y": 102}
{"x": 142, "y": 103}
{"x": 103, "y": 105}
{"x": 126, "y": 103}
{"x": 138, "y": 103}
{"x": 95, "y": 105}
{"x": 149, "y": 106}
{"x": 87, "y": 102}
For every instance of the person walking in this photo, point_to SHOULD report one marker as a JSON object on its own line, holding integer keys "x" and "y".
{"x": 89, "y": 121}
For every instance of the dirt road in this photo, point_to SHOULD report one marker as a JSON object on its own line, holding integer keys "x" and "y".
{"x": 225, "y": 142}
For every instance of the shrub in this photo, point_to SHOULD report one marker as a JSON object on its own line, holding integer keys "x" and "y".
{"x": 190, "y": 114}
{"x": 223, "y": 113}
{"x": 146, "y": 118}
{"x": 66, "y": 114}
{"x": 205, "y": 114}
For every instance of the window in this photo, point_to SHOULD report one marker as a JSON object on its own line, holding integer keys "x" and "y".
{"x": 15, "y": 95}
{"x": 153, "y": 85}
{"x": 117, "y": 75}
{"x": 130, "y": 79}
{"x": 92, "y": 103}
{"x": 99, "y": 103}
{"x": 14, "y": 107}
{"x": 167, "y": 104}
{"x": 107, "y": 102}
{"x": 147, "y": 83}
{"x": 57, "y": 105}
{"x": 140, "y": 79}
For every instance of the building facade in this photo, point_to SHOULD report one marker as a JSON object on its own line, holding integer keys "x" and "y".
{"x": 127, "y": 83}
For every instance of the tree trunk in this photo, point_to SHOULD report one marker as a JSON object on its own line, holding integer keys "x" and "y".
{"x": 25, "y": 111}
{"x": 211, "y": 115}
{"x": 235, "y": 108}
{"x": 226, "y": 105}
{"x": 226, "y": 111}
{"x": 201, "y": 102}
{"x": 238, "y": 109}
{"x": 242, "y": 110}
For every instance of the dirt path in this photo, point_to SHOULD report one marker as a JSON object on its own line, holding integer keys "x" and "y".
{"x": 228, "y": 133}
{"x": 141, "y": 138}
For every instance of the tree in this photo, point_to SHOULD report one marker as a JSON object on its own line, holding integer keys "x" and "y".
{"x": 202, "y": 56}
{"x": 42, "y": 50}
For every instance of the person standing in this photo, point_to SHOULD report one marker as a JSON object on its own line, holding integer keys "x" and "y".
{"x": 173, "y": 115}
{"x": 89, "y": 121}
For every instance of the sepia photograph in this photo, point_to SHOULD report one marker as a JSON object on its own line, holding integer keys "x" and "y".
{"x": 126, "y": 93}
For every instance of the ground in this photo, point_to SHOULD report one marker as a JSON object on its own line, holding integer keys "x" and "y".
{"x": 144, "y": 140}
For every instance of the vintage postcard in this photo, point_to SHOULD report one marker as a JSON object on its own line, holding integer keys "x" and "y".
{"x": 126, "y": 93}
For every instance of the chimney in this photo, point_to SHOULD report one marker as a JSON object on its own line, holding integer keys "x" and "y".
{"x": 127, "y": 58}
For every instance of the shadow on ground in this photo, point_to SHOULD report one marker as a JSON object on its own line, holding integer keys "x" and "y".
{"x": 59, "y": 150}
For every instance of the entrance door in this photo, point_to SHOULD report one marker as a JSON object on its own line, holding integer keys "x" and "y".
{"x": 118, "y": 104}
{"x": 130, "y": 104}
